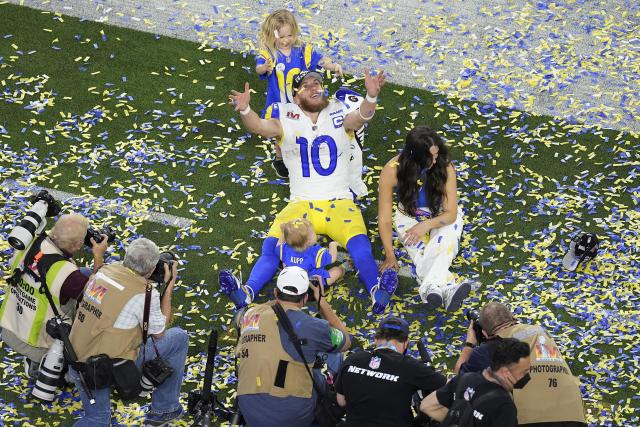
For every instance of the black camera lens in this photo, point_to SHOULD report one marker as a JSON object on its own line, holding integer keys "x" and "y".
{"x": 473, "y": 315}
{"x": 96, "y": 235}
{"x": 315, "y": 282}
{"x": 165, "y": 258}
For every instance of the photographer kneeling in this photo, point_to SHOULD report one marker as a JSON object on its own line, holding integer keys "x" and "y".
{"x": 110, "y": 324}
{"x": 274, "y": 386}
{"x": 552, "y": 398}
{"x": 26, "y": 309}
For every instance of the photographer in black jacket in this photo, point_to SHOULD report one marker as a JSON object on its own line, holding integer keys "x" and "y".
{"x": 377, "y": 386}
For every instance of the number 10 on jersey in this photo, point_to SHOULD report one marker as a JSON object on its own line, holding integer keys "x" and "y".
{"x": 315, "y": 155}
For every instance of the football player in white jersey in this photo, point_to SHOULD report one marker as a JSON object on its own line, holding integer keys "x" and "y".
{"x": 315, "y": 135}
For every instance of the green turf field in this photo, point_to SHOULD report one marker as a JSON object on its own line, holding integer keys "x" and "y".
{"x": 143, "y": 122}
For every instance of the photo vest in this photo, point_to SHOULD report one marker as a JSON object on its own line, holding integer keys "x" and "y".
{"x": 25, "y": 310}
{"x": 263, "y": 365}
{"x": 553, "y": 394}
{"x": 106, "y": 294}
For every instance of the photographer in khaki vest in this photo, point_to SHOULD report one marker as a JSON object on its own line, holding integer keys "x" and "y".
{"x": 552, "y": 397}
{"x": 109, "y": 321}
{"x": 274, "y": 387}
{"x": 25, "y": 309}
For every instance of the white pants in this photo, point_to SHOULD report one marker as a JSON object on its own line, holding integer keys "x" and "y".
{"x": 434, "y": 254}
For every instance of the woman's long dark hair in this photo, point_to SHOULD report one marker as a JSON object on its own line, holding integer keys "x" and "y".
{"x": 413, "y": 163}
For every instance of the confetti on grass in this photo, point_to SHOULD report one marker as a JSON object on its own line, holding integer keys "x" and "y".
{"x": 108, "y": 113}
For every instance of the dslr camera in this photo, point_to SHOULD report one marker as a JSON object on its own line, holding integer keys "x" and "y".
{"x": 474, "y": 316}
{"x": 165, "y": 258}
{"x": 34, "y": 221}
{"x": 96, "y": 235}
{"x": 315, "y": 281}
{"x": 53, "y": 362}
{"x": 154, "y": 373}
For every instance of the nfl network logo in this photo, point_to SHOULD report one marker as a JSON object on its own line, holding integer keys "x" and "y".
{"x": 374, "y": 363}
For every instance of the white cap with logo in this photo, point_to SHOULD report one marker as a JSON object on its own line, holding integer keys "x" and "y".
{"x": 293, "y": 281}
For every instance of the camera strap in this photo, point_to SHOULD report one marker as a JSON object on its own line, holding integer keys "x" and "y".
{"x": 145, "y": 318}
{"x": 297, "y": 343}
{"x": 145, "y": 322}
{"x": 42, "y": 262}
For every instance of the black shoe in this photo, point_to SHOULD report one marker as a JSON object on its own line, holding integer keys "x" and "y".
{"x": 280, "y": 168}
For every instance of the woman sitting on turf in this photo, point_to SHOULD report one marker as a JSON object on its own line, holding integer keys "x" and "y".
{"x": 427, "y": 217}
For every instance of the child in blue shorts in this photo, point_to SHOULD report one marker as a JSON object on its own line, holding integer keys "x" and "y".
{"x": 299, "y": 247}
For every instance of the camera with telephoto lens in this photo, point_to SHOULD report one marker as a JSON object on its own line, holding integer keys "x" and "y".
{"x": 165, "y": 258}
{"x": 43, "y": 205}
{"x": 474, "y": 316}
{"x": 154, "y": 373}
{"x": 96, "y": 235}
{"x": 56, "y": 329}
{"x": 52, "y": 363}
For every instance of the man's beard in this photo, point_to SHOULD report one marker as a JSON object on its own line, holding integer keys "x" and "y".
{"x": 307, "y": 106}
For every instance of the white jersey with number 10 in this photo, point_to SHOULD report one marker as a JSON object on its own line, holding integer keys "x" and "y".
{"x": 317, "y": 155}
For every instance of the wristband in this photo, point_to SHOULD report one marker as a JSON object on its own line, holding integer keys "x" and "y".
{"x": 470, "y": 345}
{"x": 245, "y": 111}
{"x": 366, "y": 119}
{"x": 371, "y": 99}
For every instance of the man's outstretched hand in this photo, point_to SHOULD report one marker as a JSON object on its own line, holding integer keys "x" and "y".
{"x": 240, "y": 100}
{"x": 373, "y": 83}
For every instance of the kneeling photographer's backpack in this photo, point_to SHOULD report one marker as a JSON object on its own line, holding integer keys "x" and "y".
{"x": 461, "y": 411}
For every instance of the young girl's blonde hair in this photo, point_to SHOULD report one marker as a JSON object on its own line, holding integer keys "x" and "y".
{"x": 273, "y": 22}
{"x": 296, "y": 233}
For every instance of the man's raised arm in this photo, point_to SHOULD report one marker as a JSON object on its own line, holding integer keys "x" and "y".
{"x": 356, "y": 119}
{"x": 250, "y": 119}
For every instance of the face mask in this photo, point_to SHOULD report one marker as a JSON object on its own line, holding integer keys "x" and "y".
{"x": 522, "y": 382}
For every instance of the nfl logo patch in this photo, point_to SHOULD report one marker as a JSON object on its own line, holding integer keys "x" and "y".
{"x": 374, "y": 363}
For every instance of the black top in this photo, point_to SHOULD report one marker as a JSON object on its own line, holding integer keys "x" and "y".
{"x": 480, "y": 357}
{"x": 499, "y": 411}
{"x": 378, "y": 386}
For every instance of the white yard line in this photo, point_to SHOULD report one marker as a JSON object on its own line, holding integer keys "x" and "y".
{"x": 112, "y": 206}
{"x": 117, "y": 208}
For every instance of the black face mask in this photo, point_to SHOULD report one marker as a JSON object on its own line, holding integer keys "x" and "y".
{"x": 522, "y": 382}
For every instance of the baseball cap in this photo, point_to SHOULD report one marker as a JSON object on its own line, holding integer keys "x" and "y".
{"x": 299, "y": 78}
{"x": 583, "y": 246}
{"x": 396, "y": 323}
{"x": 293, "y": 281}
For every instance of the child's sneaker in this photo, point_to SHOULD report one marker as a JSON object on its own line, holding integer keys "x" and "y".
{"x": 277, "y": 164}
{"x": 232, "y": 287}
{"x": 381, "y": 294}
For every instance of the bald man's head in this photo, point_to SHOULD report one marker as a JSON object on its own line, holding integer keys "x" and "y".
{"x": 494, "y": 314}
{"x": 69, "y": 232}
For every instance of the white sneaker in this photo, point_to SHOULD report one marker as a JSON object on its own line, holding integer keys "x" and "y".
{"x": 432, "y": 295}
{"x": 455, "y": 295}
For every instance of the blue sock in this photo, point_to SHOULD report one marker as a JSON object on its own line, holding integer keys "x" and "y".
{"x": 265, "y": 267}
{"x": 359, "y": 248}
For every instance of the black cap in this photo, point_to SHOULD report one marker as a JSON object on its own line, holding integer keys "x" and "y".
{"x": 299, "y": 78}
{"x": 395, "y": 323}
